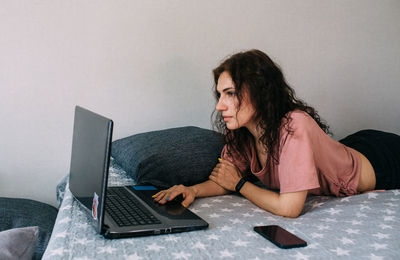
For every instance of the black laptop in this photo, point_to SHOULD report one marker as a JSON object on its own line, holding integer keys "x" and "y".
{"x": 117, "y": 212}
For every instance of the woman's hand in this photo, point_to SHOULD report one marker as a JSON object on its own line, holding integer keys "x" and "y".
{"x": 188, "y": 193}
{"x": 226, "y": 174}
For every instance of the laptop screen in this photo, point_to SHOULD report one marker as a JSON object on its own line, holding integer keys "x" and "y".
{"x": 91, "y": 146}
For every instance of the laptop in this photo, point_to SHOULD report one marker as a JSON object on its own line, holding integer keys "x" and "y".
{"x": 117, "y": 212}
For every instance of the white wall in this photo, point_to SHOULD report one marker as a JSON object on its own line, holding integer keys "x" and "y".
{"x": 147, "y": 65}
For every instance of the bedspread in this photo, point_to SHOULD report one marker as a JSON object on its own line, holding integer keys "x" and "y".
{"x": 365, "y": 226}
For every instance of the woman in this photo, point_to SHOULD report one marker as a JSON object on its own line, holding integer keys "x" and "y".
{"x": 283, "y": 142}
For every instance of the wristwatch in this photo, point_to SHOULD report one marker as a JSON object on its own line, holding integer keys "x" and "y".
{"x": 240, "y": 184}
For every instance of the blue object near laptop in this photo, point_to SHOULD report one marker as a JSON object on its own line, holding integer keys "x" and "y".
{"x": 141, "y": 187}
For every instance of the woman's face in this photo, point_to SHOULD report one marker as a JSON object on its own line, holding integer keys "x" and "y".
{"x": 228, "y": 104}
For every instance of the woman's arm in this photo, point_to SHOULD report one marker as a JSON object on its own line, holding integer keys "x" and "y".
{"x": 290, "y": 204}
{"x": 208, "y": 189}
{"x": 287, "y": 204}
{"x": 205, "y": 189}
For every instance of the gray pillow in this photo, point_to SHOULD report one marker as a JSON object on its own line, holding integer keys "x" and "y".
{"x": 184, "y": 155}
{"x": 18, "y": 243}
{"x": 16, "y": 213}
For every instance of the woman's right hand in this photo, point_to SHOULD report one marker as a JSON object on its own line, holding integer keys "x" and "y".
{"x": 188, "y": 193}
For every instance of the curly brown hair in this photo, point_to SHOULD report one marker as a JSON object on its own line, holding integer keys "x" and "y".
{"x": 253, "y": 71}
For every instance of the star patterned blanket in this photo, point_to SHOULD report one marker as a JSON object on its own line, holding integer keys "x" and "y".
{"x": 365, "y": 226}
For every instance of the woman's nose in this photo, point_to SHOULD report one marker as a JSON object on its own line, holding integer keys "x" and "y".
{"x": 220, "y": 105}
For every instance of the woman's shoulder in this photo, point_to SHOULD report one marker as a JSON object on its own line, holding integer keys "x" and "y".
{"x": 300, "y": 123}
{"x": 299, "y": 118}
{"x": 298, "y": 115}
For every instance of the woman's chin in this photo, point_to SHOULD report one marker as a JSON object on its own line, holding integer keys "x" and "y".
{"x": 231, "y": 126}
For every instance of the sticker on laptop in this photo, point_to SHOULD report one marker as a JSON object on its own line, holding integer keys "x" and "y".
{"x": 94, "y": 206}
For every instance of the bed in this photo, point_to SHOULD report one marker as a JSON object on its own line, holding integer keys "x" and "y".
{"x": 365, "y": 226}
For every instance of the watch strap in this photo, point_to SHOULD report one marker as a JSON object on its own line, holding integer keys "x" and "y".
{"x": 240, "y": 184}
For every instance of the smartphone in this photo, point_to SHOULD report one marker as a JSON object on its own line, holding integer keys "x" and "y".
{"x": 280, "y": 237}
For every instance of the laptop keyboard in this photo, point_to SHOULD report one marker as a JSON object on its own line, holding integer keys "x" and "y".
{"x": 126, "y": 210}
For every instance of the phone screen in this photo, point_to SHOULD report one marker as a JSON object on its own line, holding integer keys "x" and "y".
{"x": 280, "y": 236}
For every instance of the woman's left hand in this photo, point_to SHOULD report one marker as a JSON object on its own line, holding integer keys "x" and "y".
{"x": 226, "y": 174}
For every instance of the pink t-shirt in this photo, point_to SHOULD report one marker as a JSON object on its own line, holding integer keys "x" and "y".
{"x": 309, "y": 160}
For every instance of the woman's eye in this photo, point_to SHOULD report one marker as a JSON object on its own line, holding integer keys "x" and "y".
{"x": 231, "y": 93}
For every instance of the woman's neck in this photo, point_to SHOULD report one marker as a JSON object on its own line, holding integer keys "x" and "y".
{"x": 255, "y": 131}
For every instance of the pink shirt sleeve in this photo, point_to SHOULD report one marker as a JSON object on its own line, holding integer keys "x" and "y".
{"x": 297, "y": 168}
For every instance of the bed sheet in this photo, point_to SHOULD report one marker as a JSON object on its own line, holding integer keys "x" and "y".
{"x": 365, "y": 226}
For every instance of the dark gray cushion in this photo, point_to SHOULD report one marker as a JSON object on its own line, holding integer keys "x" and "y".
{"x": 184, "y": 155}
{"x": 18, "y": 243}
{"x": 16, "y": 213}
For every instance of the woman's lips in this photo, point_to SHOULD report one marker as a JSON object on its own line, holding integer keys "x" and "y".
{"x": 226, "y": 118}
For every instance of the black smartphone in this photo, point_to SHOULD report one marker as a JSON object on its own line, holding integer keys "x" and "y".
{"x": 280, "y": 237}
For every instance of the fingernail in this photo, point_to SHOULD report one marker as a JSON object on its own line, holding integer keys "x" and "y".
{"x": 167, "y": 198}
{"x": 219, "y": 159}
{"x": 184, "y": 205}
{"x": 154, "y": 196}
